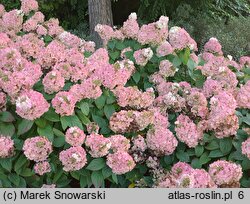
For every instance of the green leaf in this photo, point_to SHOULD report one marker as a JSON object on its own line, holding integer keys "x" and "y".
{"x": 46, "y": 132}
{"x": 14, "y": 178}
{"x": 177, "y": 61}
{"x": 19, "y": 163}
{"x": 182, "y": 156}
{"x": 111, "y": 44}
{"x": 185, "y": 56}
{"x": 84, "y": 119}
{"x": 204, "y": 158}
{"x": 70, "y": 121}
{"x": 41, "y": 122}
{"x": 102, "y": 123}
{"x": 24, "y": 126}
{"x": 196, "y": 163}
{"x": 58, "y": 133}
{"x": 120, "y": 46}
{"x": 100, "y": 102}
{"x": 199, "y": 150}
{"x": 84, "y": 108}
{"x": 6, "y": 164}
{"x": 226, "y": 145}
{"x": 75, "y": 175}
{"x": 59, "y": 141}
{"x": 7, "y": 129}
{"x": 83, "y": 181}
{"x": 136, "y": 77}
{"x": 6, "y": 117}
{"x": 212, "y": 145}
{"x": 109, "y": 110}
{"x": 26, "y": 172}
{"x": 114, "y": 55}
{"x": 215, "y": 154}
{"x": 106, "y": 172}
{"x": 51, "y": 115}
{"x": 97, "y": 179}
{"x": 114, "y": 177}
{"x": 245, "y": 164}
{"x": 96, "y": 164}
{"x": 246, "y": 120}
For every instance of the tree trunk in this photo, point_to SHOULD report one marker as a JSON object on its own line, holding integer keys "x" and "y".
{"x": 100, "y": 12}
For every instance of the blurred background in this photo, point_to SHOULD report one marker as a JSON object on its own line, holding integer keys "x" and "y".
{"x": 227, "y": 20}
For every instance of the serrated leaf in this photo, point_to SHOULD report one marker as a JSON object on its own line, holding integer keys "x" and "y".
{"x": 83, "y": 181}
{"x": 46, "y": 132}
{"x": 136, "y": 77}
{"x": 97, "y": 179}
{"x": 106, "y": 172}
{"x": 51, "y": 115}
{"x": 19, "y": 163}
{"x": 109, "y": 110}
{"x": 100, "y": 102}
{"x": 199, "y": 150}
{"x": 24, "y": 126}
{"x": 7, "y": 129}
{"x": 7, "y": 117}
{"x": 182, "y": 156}
{"x": 226, "y": 145}
{"x": 84, "y": 119}
{"x": 41, "y": 122}
{"x": 70, "y": 121}
{"x": 14, "y": 178}
{"x": 84, "y": 108}
{"x": 114, "y": 177}
{"x": 215, "y": 154}
{"x": 6, "y": 164}
{"x": 26, "y": 172}
{"x": 58, "y": 133}
{"x": 96, "y": 164}
{"x": 100, "y": 121}
{"x": 213, "y": 145}
{"x": 114, "y": 55}
{"x": 204, "y": 158}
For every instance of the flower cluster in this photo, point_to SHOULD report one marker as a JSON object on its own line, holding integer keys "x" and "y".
{"x": 225, "y": 174}
{"x": 246, "y": 148}
{"x": 31, "y": 105}
{"x": 120, "y": 162}
{"x": 41, "y": 168}
{"x": 98, "y": 145}
{"x": 6, "y": 146}
{"x": 182, "y": 175}
{"x": 75, "y": 136}
{"x": 73, "y": 159}
{"x": 37, "y": 148}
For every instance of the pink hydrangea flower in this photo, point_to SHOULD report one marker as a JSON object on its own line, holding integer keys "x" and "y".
{"x": 245, "y": 60}
{"x": 29, "y": 5}
{"x": 42, "y": 168}
{"x": 142, "y": 56}
{"x": 73, "y": 159}
{"x": 180, "y": 39}
{"x": 3, "y": 101}
{"x": 213, "y": 46}
{"x": 164, "y": 49}
{"x": 187, "y": 131}
{"x": 31, "y": 105}
{"x": 64, "y": 103}
{"x": 167, "y": 69}
{"x": 243, "y": 96}
{"x": 139, "y": 144}
{"x": 53, "y": 82}
{"x": 246, "y": 148}
{"x": 119, "y": 143}
{"x": 75, "y": 136}
{"x": 120, "y": 162}
{"x": 6, "y": 147}
{"x": 225, "y": 172}
{"x": 92, "y": 127}
{"x": 2, "y": 10}
{"x": 130, "y": 27}
{"x": 132, "y": 97}
{"x": 37, "y": 148}
{"x": 98, "y": 145}
{"x": 161, "y": 141}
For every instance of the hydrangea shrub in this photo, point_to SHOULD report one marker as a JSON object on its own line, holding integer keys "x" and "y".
{"x": 144, "y": 111}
